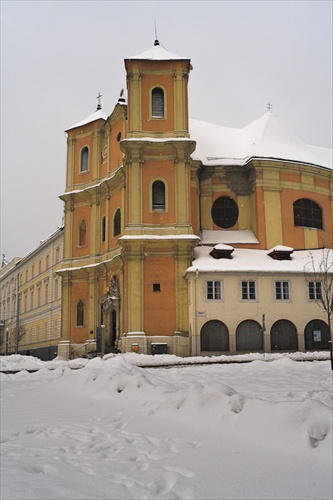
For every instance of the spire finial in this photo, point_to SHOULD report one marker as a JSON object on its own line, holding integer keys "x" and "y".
{"x": 156, "y": 39}
{"x": 269, "y": 106}
{"x": 99, "y": 106}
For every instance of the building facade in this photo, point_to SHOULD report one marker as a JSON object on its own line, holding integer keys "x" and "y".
{"x": 30, "y": 300}
{"x": 148, "y": 189}
{"x": 180, "y": 236}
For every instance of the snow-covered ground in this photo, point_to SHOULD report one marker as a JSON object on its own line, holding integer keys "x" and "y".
{"x": 112, "y": 429}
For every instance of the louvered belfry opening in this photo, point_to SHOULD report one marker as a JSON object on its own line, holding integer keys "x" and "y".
{"x": 84, "y": 159}
{"x": 157, "y": 103}
{"x": 158, "y": 195}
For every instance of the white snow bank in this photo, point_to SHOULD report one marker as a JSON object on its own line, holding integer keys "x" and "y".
{"x": 114, "y": 430}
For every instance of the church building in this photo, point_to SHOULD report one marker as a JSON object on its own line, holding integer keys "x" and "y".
{"x": 190, "y": 238}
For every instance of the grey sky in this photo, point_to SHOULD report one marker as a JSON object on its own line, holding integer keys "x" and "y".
{"x": 57, "y": 55}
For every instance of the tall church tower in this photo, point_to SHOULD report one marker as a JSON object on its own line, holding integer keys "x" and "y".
{"x": 158, "y": 237}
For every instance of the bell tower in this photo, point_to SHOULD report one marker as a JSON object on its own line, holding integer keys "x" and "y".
{"x": 157, "y": 83}
{"x": 158, "y": 236}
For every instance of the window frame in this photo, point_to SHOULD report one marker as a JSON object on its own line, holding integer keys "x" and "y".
{"x": 84, "y": 162}
{"x": 284, "y": 292}
{"x": 221, "y": 213}
{"x": 316, "y": 292}
{"x": 248, "y": 291}
{"x": 213, "y": 290}
{"x": 116, "y": 224}
{"x": 80, "y": 314}
{"x": 307, "y": 213}
{"x": 103, "y": 229}
{"x": 157, "y": 116}
{"x": 155, "y": 206}
{"x": 82, "y": 233}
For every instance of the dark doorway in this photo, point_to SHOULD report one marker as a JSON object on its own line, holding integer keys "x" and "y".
{"x": 214, "y": 336}
{"x": 284, "y": 336}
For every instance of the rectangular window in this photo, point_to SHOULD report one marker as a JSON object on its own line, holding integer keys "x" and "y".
{"x": 314, "y": 289}
{"x": 213, "y": 290}
{"x": 56, "y": 289}
{"x": 47, "y": 262}
{"x": 46, "y": 292}
{"x": 39, "y": 267}
{"x": 38, "y": 296}
{"x": 31, "y": 299}
{"x": 33, "y": 271}
{"x": 156, "y": 287}
{"x": 248, "y": 290}
{"x": 282, "y": 290}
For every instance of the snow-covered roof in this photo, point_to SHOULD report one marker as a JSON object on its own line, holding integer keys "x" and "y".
{"x": 160, "y": 237}
{"x": 263, "y": 138}
{"x": 245, "y": 236}
{"x": 158, "y": 53}
{"x": 97, "y": 115}
{"x": 257, "y": 261}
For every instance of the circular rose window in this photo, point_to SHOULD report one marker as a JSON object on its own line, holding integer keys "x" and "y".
{"x": 224, "y": 212}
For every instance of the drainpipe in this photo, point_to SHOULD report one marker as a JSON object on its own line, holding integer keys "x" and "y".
{"x": 17, "y": 315}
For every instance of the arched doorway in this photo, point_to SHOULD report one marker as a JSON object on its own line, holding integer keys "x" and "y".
{"x": 249, "y": 336}
{"x": 284, "y": 336}
{"x": 110, "y": 310}
{"x": 214, "y": 336}
{"x": 316, "y": 335}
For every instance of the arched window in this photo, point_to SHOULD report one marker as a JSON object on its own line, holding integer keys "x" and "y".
{"x": 249, "y": 336}
{"x": 284, "y": 336}
{"x": 82, "y": 233}
{"x": 103, "y": 229}
{"x": 214, "y": 336}
{"x": 84, "y": 159}
{"x": 224, "y": 212}
{"x": 157, "y": 104}
{"x": 158, "y": 196}
{"x": 117, "y": 223}
{"x": 307, "y": 214}
{"x": 80, "y": 313}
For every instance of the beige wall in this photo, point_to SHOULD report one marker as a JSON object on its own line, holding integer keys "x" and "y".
{"x": 232, "y": 310}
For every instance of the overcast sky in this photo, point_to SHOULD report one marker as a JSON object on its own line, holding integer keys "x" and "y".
{"x": 56, "y": 56}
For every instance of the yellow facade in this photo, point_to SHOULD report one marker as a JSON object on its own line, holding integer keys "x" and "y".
{"x": 115, "y": 233}
{"x": 31, "y": 300}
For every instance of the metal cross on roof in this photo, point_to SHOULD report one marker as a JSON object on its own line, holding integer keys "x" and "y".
{"x": 269, "y": 106}
{"x": 99, "y": 106}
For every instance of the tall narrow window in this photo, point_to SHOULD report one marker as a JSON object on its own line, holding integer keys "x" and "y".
{"x": 117, "y": 223}
{"x": 158, "y": 196}
{"x": 46, "y": 291}
{"x": 307, "y": 214}
{"x": 82, "y": 233}
{"x": 157, "y": 103}
{"x": 103, "y": 229}
{"x": 84, "y": 159}
{"x": 80, "y": 313}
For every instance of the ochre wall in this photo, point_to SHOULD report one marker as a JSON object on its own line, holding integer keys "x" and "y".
{"x": 159, "y": 307}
